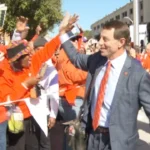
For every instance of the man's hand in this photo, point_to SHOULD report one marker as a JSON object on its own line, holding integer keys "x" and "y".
{"x": 51, "y": 122}
{"x": 31, "y": 81}
{"x": 67, "y": 23}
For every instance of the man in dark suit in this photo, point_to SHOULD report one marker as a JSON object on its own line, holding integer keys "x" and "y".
{"x": 120, "y": 86}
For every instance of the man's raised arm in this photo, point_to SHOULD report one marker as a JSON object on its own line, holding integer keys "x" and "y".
{"x": 79, "y": 60}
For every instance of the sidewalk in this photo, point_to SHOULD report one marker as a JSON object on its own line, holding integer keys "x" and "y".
{"x": 144, "y": 131}
{"x": 144, "y": 134}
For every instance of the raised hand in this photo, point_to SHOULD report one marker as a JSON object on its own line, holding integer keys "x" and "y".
{"x": 67, "y": 23}
{"x": 21, "y": 24}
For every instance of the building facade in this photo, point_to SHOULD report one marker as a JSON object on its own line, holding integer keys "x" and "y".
{"x": 3, "y": 10}
{"x": 124, "y": 14}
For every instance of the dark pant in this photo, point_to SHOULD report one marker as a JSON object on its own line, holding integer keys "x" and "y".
{"x": 69, "y": 113}
{"x": 17, "y": 141}
{"x": 99, "y": 141}
{"x": 37, "y": 140}
{"x": 32, "y": 138}
{"x": 3, "y": 127}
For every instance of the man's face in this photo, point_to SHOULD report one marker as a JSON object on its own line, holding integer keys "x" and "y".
{"x": 109, "y": 46}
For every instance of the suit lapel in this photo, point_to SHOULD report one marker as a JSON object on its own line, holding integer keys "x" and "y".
{"x": 99, "y": 67}
{"x": 124, "y": 75}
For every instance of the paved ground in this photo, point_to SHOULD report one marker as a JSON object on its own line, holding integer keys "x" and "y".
{"x": 144, "y": 131}
{"x": 144, "y": 134}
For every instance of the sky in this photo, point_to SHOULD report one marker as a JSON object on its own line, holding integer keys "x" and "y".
{"x": 90, "y": 11}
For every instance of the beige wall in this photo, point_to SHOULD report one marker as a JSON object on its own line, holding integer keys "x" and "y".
{"x": 145, "y": 13}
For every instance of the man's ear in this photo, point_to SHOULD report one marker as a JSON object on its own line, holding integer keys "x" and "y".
{"x": 122, "y": 42}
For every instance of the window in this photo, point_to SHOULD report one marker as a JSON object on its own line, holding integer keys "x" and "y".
{"x": 117, "y": 17}
{"x": 141, "y": 5}
{"x": 131, "y": 11}
{"x": 94, "y": 28}
{"x": 111, "y": 19}
{"x": 124, "y": 14}
{"x": 98, "y": 26}
{"x": 2, "y": 14}
{"x": 102, "y": 25}
{"x": 142, "y": 19}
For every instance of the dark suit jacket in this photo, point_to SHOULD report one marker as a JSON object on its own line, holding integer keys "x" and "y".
{"x": 132, "y": 92}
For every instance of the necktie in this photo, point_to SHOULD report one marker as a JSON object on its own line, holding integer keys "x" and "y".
{"x": 100, "y": 98}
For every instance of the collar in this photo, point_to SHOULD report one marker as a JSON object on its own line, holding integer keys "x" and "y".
{"x": 119, "y": 61}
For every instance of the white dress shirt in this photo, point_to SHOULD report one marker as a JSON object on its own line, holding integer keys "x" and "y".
{"x": 117, "y": 65}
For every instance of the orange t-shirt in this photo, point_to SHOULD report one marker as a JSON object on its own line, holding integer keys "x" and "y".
{"x": 11, "y": 81}
{"x": 71, "y": 79}
{"x": 146, "y": 62}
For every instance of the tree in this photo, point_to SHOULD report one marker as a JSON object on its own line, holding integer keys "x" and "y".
{"x": 88, "y": 34}
{"x": 45, "y": 12}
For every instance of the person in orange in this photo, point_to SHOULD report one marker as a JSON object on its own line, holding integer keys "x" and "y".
{"x": 19, "y": 77}
{"x": 71, "y": 85}
{"x": 146, "y": 59}
{"x": 3, "y": 112}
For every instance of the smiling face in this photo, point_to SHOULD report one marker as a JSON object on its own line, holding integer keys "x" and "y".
{"x": 109, "y": 46}
{"x": 113, "y": 39}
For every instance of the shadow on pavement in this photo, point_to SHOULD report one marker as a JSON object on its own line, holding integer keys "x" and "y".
{"x": 144, "y": 142}
{"x": 144, "y": 126}
{"x": 142, "y": 145}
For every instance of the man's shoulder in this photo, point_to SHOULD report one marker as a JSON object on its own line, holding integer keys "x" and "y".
{"x": 136, "y": 66}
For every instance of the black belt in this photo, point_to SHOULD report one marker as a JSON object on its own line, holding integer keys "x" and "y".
{"x": 77, "y": 97}
{"x": 102, "y": 130}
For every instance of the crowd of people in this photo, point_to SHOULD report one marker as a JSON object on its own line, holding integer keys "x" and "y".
{"x": 112, "y": 74}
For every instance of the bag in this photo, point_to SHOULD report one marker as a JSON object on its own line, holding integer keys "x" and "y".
{"x": 76, "y": 135}
{"x": 16, "y": 121}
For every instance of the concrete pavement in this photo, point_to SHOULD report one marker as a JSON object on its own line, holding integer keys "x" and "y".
{"x": 143, "y": 126}
{"x": 144, "y": 131}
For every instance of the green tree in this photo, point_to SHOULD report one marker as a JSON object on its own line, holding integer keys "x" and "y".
{"x": 88, "y": 34}
{"x": 46, "y": 12}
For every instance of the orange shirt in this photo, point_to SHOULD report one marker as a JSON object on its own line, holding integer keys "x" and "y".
{"x": 70, "y": 78}
{"x": 146, "y": 62}
{"x": 3, "y": 111}
{"x": 11, "y": 81}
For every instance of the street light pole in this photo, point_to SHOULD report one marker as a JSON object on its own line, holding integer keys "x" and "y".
{"x": 128, "y": 18}
{"x": 136, "y": 21}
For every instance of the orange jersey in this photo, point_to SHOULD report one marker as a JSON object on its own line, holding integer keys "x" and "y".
{"x": 71, "y": 79}
{"x": 11, "y": 82}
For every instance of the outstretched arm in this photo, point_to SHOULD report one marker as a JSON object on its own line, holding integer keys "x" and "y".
{"x": 79, "y": 60}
